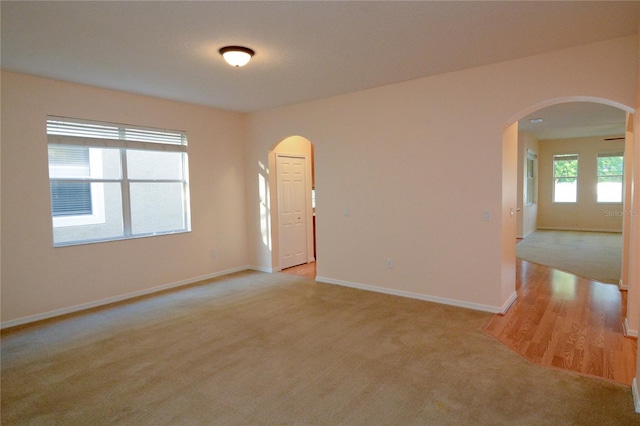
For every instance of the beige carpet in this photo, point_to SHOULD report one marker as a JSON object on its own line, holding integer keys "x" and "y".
{"x": 273, "y": 349}
{"x": 593, "y": 255}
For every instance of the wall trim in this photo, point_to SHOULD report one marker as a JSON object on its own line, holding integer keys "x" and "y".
{"x": 622, "y": 286}
{"x": 120, "y": 298}
{"x": 424, "y": 297}
{"x": 628, "y": 331}
{"x": 636, "y": 395}
{"x": 508, "y": 303}
{"x": 564, "y": 228}
{"x": 263, "y": 269}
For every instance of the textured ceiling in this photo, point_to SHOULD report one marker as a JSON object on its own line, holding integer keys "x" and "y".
{"x": 304, "y": 50}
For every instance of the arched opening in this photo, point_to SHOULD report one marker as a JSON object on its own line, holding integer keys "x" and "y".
{"x": 573, "y": 120}
{"x": 571, "y": 188}
{"x": 568, "y": 292}
{"x": 291, "y": 197}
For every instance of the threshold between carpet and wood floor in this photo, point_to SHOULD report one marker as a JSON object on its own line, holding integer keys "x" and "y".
{"x": 593, "y": 255}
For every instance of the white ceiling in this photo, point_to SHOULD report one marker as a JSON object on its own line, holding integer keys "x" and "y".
{"x": 304, "y": 50}
{"x": 575, "y": 119}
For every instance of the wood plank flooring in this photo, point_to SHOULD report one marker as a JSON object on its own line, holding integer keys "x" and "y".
{"x": 307, "y": 270}
{"x": 568, "y": 322}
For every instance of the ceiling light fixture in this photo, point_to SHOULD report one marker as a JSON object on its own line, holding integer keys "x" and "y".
{"x": 236, "y": 56}
{"x": 535, "y": 120}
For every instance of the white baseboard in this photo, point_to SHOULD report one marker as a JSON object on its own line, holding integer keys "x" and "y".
{"x": 622, "y": 286}
{"x": 628, "y": 331}
{"x": 114, "y": 299}
{"x": 508, "y": 303}
{"x": 563, "y": 228}
{"x": 636, "y": 395}
{"x": 411, "y": 295}
{"x": 263, "y": 269}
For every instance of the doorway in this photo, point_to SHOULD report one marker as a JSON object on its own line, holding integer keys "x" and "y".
{"x": 570, "y": 187}
{"x": 292, "y": 183}
{"x": 509, "y": 175}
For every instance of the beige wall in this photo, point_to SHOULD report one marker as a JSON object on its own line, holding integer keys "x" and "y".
{"x": 527, "y": 214}
{"x": 633, "y": 297}
{"x": 585, "y": 214}
{"x": 37, "y": 278}
{"x": 417, "y": 163}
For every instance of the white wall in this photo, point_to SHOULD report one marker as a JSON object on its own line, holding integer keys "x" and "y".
{"x": 418, "y": 162}
{"x": 528, "y": 214}
{"x": 37, "y": 278}
{"x": 585, "y": 214}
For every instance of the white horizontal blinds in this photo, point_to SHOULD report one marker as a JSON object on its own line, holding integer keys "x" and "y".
{"x": 610, "y": 154}
{"x": 68, "y": 131}
{"x": 154, "y": 136}
{"x": 88, "y": 129}
{"x": 565, "y": 157}
{"x": 71, "y": 198}
{"x": 69, "y": 127}
{"x": 69, "y": 161}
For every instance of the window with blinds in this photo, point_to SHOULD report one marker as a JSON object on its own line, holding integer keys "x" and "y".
{"x": 610, "y": 173}
{"x": 111, "y": 181}
{"x": 565, "y": 178}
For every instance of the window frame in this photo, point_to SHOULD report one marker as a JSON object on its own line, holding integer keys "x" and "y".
{"x": 122, "y": 145}
{"x": 605, "y": 154}
{"x": 565, "y": 157}
{"x": 531, "y": 170}
{"x": 97, "y": 216}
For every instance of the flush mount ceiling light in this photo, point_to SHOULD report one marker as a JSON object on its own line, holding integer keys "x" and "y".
{"x": 236, "y": 56}
{"x": 535, "y": 120}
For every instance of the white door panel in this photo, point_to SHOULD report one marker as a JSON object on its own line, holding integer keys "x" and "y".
{"x": 290, "y": 172}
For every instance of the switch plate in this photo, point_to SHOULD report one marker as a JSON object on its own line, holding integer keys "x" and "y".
{"x": 486, "y": 215}
{"x": 389, "y": 264}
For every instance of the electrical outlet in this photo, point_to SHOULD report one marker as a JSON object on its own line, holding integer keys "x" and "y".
{"x": 389, "y": 264}
{"x": 213, "y": 253}
{"x": 486, "y": 215}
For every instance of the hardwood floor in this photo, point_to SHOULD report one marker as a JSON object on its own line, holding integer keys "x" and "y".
{"x": 307, "y": 270}
{"x": 564, "y": 321}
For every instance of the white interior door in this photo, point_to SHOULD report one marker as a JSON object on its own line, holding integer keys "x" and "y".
{"x": 291, "y": 176}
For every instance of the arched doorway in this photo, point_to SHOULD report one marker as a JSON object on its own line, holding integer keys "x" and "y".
{"x": 556, "y": 292}
{"x": 511, "y": 173}
{"x": 291, "y": 189}
{"x": 584, "y": 209}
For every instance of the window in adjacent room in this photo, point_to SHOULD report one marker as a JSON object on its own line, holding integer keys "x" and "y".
{"x": 565, "y": 178}
{"x": 111, "y": 181}
{"x": 532, "y": 160}
{"x": 610, "y": 173}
